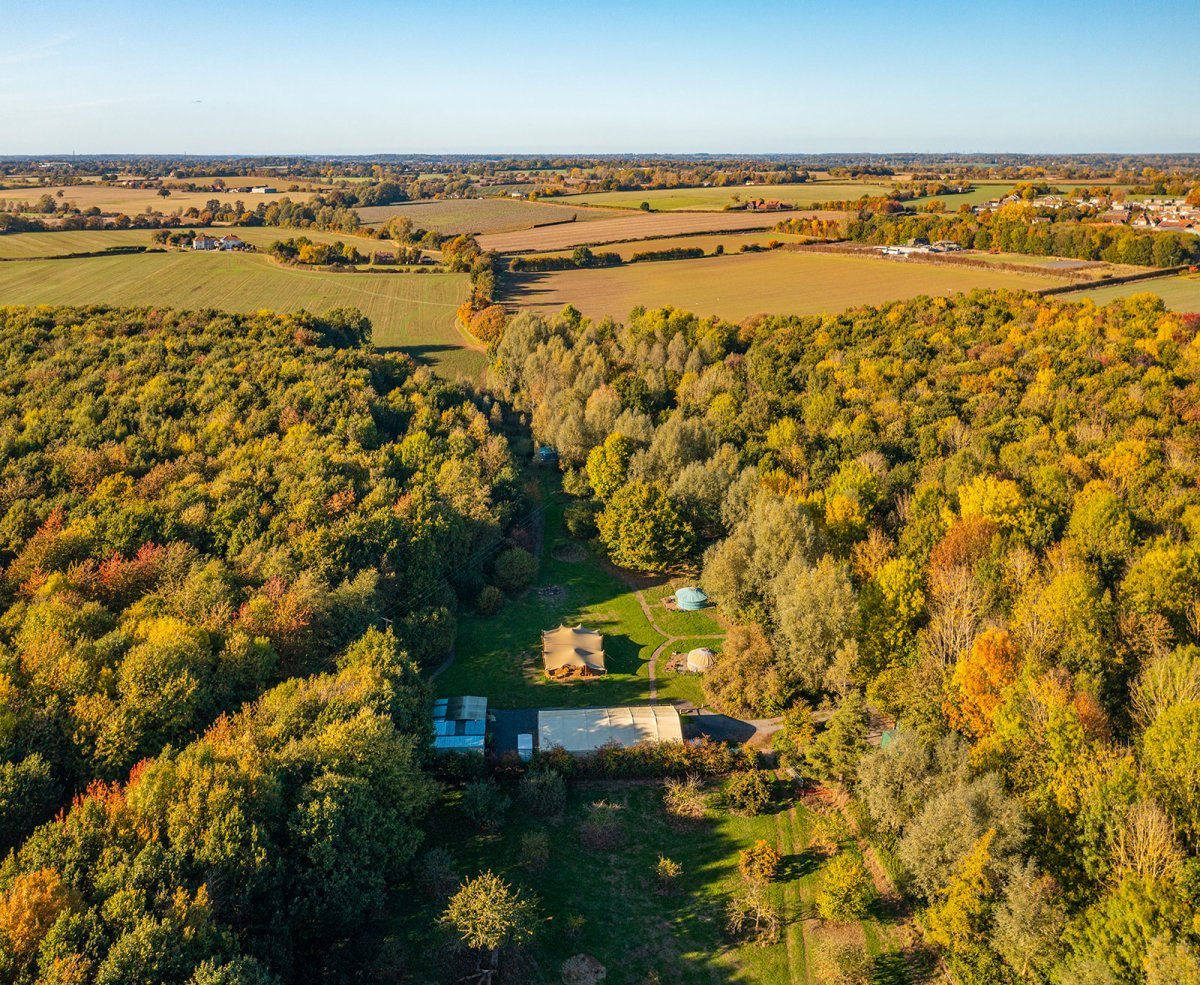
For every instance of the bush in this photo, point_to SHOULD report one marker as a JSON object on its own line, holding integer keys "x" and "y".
{"x": 490, "y": 600}
{"x": 704, "y": 757}
{"x": 437, "y": 874}
{"x": 684, "y": 798}
{"x": 514, "y": 569}
{"x": 843, "y": 962}
{"x": 535, "y": 850}
{"x": 829, "y": 830}
{"x": 485, "y": 803}
{"x": 544, "y": 792}
{"x": 759, "y": 863}
{"x": 668, "y": 872}
{"x": 748, "y": 792}
{"x": 847, "y": 890}
{"x": 601, "y": 829}
{"x": 753, "y": 915}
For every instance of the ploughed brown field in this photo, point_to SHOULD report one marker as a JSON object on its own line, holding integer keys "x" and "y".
{"x": 641, "y": 226}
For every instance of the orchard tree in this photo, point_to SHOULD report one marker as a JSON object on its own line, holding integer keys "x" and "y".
{"x": 488, "y": 914}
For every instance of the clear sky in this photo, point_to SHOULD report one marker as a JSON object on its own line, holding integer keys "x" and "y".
{"x": 360, "y": 77}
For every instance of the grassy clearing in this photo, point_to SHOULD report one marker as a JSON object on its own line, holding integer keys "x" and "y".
{"x": 634, "y": 227}
{"x": 607, "y": 902}
{"x": 479, "y": 215}
{"x": 133, "y": 201}
{"x": 26, "y": 245}
{"x": 735, "y": 287}
{"x": 413, "y": 312}
{"x": 1180, "y": 293}
{"x": 501, "y": 655}
{"x": 682, "y": 199}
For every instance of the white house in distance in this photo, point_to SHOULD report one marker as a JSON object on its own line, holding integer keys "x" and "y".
{"x": 228, "y": 242}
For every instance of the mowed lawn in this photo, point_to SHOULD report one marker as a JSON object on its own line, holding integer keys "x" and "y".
{"x": 412, "y": 312}
{"x": 606, "y": 901}
{"x": 26, "y": 245}
{"x": 640, "y": 225}
{"x": 800, "y": 195}
{"x": 480, "y": 215}
{"x": 1180, "y": 293}
{"x": 735, "y": 287}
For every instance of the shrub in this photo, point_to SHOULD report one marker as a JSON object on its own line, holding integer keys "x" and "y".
{"x": 668, "y": 871}
{"x": 748, "y": 792}
{"x": 847, "y": 891}
{"x": 436, "y": 873}
{"x": 753, "y": 915}
{"x": 684, "y": 798}
{"x": 544, "y": 792}
{"x": 535, "y": 850}
{"x": 515, "y": 569}
{"x": 490, "y": 600}
{"x": 843, "y": 962}
{"x": 485, "y": 803}
{"x": 601, "y": 829}
{"x": 759, "y": 863}
{"x": 829, "y": 830}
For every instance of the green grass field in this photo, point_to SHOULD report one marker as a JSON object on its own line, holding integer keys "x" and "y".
{"x": 676, "y": 199}
{"x": 607, "y": 902}
{"x": 500, "y": 656}
{"x": 734, "y": 287}
{"x": 25, "y": 245}
{"x": 1180, "y": 293}
{"x": 412, "y": 312}
{"x": 480, "y": 215}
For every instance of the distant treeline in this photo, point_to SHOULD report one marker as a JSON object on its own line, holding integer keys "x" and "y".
{"x": 1013, "y": 230}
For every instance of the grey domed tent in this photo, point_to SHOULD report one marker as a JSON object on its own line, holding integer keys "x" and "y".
{"x": 691, "y": 599}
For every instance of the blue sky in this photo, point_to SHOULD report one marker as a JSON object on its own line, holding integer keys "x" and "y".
{"x": 462, "y": 76}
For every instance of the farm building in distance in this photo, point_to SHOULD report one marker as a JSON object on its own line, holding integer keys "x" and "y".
{"x": 459, "y": 724}
{"x": 587, "y": 729}
{"x": 572, "y": 651}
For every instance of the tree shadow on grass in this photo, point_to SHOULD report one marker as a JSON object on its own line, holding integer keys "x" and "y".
{"x": 890, "y": 969}
{"x": 799, "y": 865}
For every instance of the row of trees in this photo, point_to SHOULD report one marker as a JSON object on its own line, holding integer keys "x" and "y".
{"x": 1012, "y": 229}
{"x": 978, "y": 516}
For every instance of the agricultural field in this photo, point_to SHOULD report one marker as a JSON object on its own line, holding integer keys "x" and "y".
{"x": 411, "y": 312}
{"x": 676, "y": 199}
{"x": 1180, "y": 293}
{"x": 134, "y": 201}
{"x": 500, "y": 655}
{"x": 641, "y": 225}
{"x": 604, "y": 898}
{"x": 735, "y": 287}
{"x": 479, "y": 215}
{"x": 733, "y": 242}
{"x": 28, "y": 245}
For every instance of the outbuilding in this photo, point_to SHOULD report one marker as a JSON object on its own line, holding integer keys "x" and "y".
{"x": 459, "y": 724}
{"x": 690, "y": 599}
{"x": 701, "y": 659}
{"x": 581, "y": 730}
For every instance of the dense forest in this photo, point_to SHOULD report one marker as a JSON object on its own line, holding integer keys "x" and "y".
{"x": 978, "y": 517}
{"x": 208, "y": 522}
